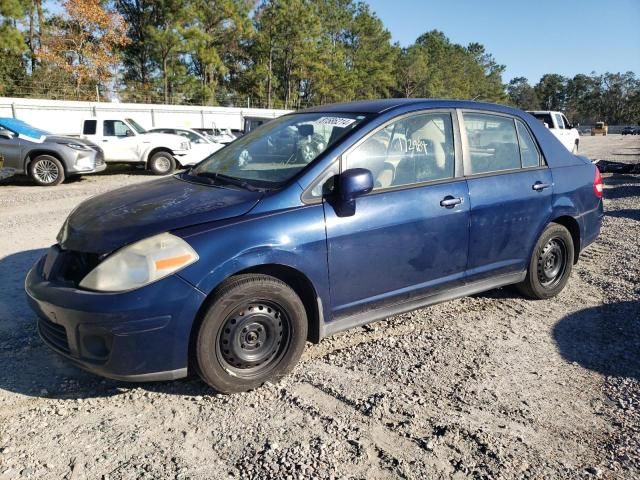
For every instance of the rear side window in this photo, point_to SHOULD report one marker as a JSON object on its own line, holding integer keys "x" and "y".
{"x": 528, "y": 150}
{"x": 493, "y": 142}
{"x": 90, "y": 127}
{"x": 544, "y": 118}
{"x": 415, "y": 149}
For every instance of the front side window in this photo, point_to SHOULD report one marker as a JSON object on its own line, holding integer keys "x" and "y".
{"x": 559, "y": 120}
{"x": 493, "y": 143}
{"x": 115, "y": 128}
{"x": 414, "y": 149}
{"x": 276, "y": 151}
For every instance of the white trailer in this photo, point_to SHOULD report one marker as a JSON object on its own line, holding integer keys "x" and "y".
{"x": 64, "y": 117}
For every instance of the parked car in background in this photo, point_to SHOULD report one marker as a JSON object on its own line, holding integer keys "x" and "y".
{"x": 561, "y": 128}
{"x": 123, "y": 140}
{"x": 201, "y": 145}
{"x": 218, "y": 135}
{"x": 630, "y": 131}
{"x": 48, "y": 159}
{"x": 600, "y": 128}
{"x": 316, "y": 222}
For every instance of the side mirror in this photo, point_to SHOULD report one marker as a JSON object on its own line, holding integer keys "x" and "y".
{"x": 128, "y": 133}
{"x": 351, "y": 184}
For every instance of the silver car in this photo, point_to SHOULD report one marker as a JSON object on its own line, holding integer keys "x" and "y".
{"x": 48, "y": 159}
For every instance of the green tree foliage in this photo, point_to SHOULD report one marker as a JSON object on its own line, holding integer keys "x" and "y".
{"x": 436, "y": 67}
{"x": 11, "y": 40}
{"x": 522, "y": 95}
{"x": 552, "y": 91}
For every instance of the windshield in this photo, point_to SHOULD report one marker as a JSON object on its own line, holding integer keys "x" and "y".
{"x": 136, "y": 126}
{"x": 278, "y": 150}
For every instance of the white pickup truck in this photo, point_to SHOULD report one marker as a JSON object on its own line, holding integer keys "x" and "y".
{"x": 560, "y": 127}
{"x": 124, "y": 140}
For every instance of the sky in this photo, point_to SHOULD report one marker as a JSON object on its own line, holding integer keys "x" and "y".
{"x": 531, "y": 38}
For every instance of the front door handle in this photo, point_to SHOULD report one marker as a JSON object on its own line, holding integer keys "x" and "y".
{"x": 539, "y": 186}
{"x": 450, "y": 202}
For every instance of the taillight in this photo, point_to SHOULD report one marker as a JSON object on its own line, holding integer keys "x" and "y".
{"x": 597, "y": 184}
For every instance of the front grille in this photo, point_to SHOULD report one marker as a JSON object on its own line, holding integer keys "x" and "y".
{"x": 68, "y": 266}
{"x": 54, "y": 334}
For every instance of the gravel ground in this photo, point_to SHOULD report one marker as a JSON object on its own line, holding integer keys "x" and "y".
{"x": 491, "y": 386}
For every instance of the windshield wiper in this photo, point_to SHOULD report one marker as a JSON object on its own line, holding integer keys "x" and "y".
{"x": 222, "y": 178}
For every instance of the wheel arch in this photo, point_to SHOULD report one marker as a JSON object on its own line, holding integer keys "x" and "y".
{"x": 572, "y": 225}
{"x": 294, "y": 278}
{"x": 33, "y": 154}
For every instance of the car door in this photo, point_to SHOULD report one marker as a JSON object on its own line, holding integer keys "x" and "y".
{"x": 510, "y": 189}
{"x": 409, "y": 236}
{"x": 11, "y": 149}
{"x": 118, "y": 145}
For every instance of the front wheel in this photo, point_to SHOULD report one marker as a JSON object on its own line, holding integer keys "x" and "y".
{"x": 550, "y": 264}
{"x": 254, "y": 331}
{"x": 162, "y": 163}
{"x": 46, "y": 170}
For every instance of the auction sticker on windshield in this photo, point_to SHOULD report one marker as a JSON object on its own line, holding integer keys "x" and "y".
{"x": 335, "y": 121}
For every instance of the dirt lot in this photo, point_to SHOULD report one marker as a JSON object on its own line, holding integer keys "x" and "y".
{"x": 492, "y": 386}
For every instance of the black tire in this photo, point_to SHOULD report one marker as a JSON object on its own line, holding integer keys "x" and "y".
{"x": 550, "y": 264}
{"x": 162, "y": 163}
{"x": 46, "y": 171}
{"x": 254, "y": 331}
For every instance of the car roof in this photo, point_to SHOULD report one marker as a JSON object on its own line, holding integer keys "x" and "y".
{"x": 387, "y": 104}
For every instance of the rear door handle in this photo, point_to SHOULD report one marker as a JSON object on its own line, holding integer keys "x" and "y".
{"x": 539, "y": 186}
{"x": 450, "y": 202}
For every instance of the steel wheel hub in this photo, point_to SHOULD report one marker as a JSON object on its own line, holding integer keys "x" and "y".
{"x": 252, "y": 337}
{"x": 552, "y": 262}
{"x": 46, "y": 171}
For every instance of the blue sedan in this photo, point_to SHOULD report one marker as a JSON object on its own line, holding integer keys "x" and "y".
{"x": 314, "y": 223}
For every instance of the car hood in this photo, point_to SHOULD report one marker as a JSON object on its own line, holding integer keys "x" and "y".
{"x": 169, "y": 139}
{"x": 65, "y": 139}
{"x": 109, "y": 221}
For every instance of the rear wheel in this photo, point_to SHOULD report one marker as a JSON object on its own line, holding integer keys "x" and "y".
{"x": 550, "y": 264}
{"x": 162, "y": 163}
{"x": 254, "y": 331}
{"x": 46, "y": 170}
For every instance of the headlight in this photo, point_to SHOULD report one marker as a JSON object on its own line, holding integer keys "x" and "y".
{"x": 77, "y": 146}
{"x": 141, "y": 263}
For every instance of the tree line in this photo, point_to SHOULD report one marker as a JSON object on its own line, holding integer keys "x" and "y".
{"x": 272, "y": 53}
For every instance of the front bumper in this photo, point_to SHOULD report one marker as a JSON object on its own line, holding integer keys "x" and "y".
{"x": 141, "y": 335}
{"x": 84, "y": 162}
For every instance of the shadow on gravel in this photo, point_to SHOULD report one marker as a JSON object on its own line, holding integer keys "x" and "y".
{"x": 30, "y": 368}
{"x": 631, "y": 213}
{"x": 605, "y": 339}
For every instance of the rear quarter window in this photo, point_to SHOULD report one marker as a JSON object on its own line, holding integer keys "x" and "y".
{"x": 90, "y": 127}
